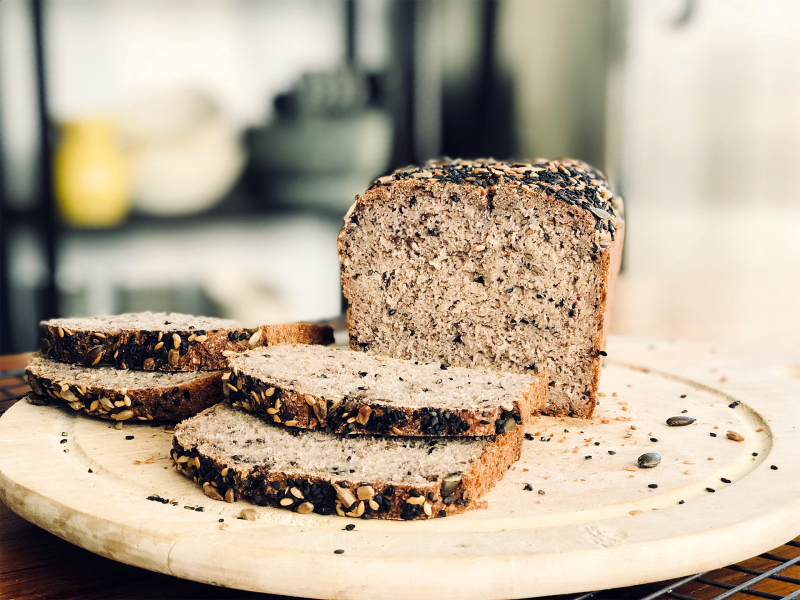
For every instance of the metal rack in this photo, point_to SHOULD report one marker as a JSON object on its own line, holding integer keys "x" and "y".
{"x": 734, "y": 581}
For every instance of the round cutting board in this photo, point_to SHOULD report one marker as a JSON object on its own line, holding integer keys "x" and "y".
{"x": 574, "y": 514}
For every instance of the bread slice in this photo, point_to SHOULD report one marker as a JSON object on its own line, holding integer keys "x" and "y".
{"x": 338, "y": 390}
{"x": 165, "y": 341}
{"x": 489, "y": 264}
{"x": 121, "y": 394}
{"x": 236, "y": 455}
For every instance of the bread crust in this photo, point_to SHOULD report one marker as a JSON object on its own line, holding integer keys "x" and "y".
{"x": 227, "y": 479}
{"x": 157, "y": 402}
{"x": 601, "y": 220}
{"x": 170, "y": 350}
{"x": 268, "y": 399}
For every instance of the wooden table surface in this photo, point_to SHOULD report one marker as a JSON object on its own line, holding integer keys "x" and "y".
{"x": 35, "y": 564}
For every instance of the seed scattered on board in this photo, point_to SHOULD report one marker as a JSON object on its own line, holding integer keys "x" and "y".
{"x": 340, "y": 551}
{"x": 349, "y": 527}
{"x": 774, "y": 467}
{"x": 680, "y": 421}
{"x": 736, "y": 437}
{"x": 648, "y": 460}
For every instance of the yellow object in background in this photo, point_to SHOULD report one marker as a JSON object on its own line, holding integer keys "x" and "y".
{"x": 92, "y": 174}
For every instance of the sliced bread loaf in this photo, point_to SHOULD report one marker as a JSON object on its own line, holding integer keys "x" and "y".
{"x": 165, "y": 341}
{"x": 484, "y": 263}
{"x": 122, "y": 394}
{"x": 342, "y": 391}
{"x": 236, "y": 455}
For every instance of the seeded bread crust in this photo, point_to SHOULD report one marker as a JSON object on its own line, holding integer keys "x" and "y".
{"x": 188, "y": 348}
{"x": 271, "y": 399}
{"x": 224, "y": 478}
{"x": 565, "y": 187}
{"x": 149, "y": 396}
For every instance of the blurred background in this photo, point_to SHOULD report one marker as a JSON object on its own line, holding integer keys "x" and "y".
{"x": 197, "y": 155}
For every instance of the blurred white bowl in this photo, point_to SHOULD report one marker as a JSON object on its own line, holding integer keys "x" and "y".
{"x": 186, "y": 154}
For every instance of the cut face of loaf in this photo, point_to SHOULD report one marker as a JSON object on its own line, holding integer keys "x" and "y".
{"x": 357, "y": 476}
{"x": 342, "y": 391}
{"x": 487, "y": 264}
{"x": 165, "y": 341}
{"x": 124, "y": 395}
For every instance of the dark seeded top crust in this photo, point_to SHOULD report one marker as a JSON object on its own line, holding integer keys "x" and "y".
{"x": 571, "y": 181}
{"x": 109, "y": 377}
{"x": 337, "y": 372}
{"x": 146, "y": 321}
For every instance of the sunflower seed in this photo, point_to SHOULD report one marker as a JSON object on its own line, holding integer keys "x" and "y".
{"x": 649, "y": 460}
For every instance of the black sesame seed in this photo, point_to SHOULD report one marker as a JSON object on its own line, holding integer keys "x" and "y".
{"x": 683, "y": 412}
{"x": 680, "y": 502}
{"x": 755, "y": 453}
{"x": 723, "y": 480}
{"x": 611, "y": 452}
{"x": 64, "y": 441}
{"x": 200, "y": 509}
{"x": 653, "y": 486}
{"x": 653, "y": 439}
{"x": 734, "y": 404}
{"x": 774, "y": 467}
{"x": 392, "y": 312}
{"x": 528, "y": 487}
{"x": 340, "y": 551}
{"x": 711, "y": 490}
{"x": 349, "y": 527}
{"x": 414, "y": 494}
{"x": 443, "y": 513}
{"x": 597, "y": 443}
{"x": 587, "y": 457}
{"x": 128, "y": 437}
{"x": 683, "y": 395}
{"x": 712, "y": 434}
{"x": 90, "y": 471}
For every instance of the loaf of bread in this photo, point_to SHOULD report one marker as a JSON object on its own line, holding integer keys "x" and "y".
{"x": 165, "y": 341}
{"x": 121, "y": 394}
{"x": 487, "y": 264}
{"x": 338, "y": 390}
{"x": 234, "y": 455}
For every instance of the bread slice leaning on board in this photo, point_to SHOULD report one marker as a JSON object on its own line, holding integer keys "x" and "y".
{"x": 165, "y": 341}
{"x": 235, "y": 455}
{"x": 342, "y": 391}
{"x": 125, "y": 394}
{"x": 505, "y": 266}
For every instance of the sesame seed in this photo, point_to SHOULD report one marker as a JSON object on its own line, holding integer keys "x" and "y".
{"x": 349, "y": 527}
{"x": 338, "y": 551}
{"x": 712, "y": 434}
{"x": 128, "y": 437}
{"x": 774, "y": 468}
{"x": 710, "y": 490}
{"x": 653, "y": 486}
{"x": 724, "y": 480}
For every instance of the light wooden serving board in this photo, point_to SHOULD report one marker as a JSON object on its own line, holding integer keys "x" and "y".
{"x": 579, "y": 534}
